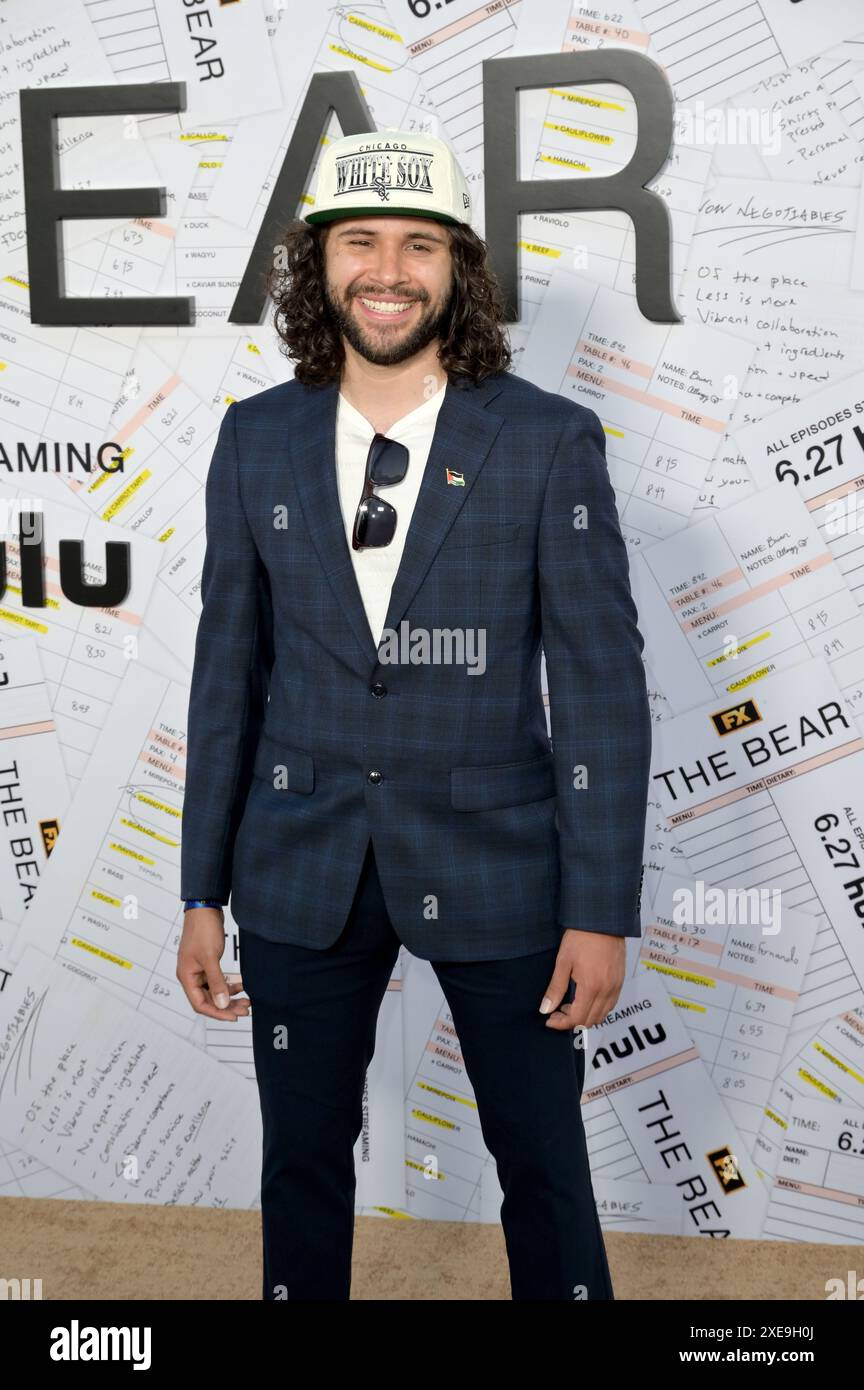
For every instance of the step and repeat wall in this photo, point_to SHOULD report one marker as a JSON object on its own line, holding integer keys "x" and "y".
{"x": 724, "y": 1096}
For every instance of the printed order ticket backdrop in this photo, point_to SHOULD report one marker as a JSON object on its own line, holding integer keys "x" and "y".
{"x": 735, "y": 443}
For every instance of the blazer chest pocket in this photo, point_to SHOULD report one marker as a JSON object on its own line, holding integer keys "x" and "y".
{"x": 506, "y": 784}
{"x": 285, "y": 768}
{"x": 466, "y": 534}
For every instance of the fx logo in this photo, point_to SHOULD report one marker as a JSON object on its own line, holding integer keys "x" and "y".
{"x": 736, "y": 717}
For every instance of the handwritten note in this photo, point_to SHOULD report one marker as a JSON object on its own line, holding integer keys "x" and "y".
{"x": 116, "y": 1103}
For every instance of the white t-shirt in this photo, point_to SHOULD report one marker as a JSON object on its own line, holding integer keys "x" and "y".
{"x": 376, "y": 566}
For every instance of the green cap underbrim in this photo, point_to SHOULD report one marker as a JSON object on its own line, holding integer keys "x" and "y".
{"x": 379, "y": 211}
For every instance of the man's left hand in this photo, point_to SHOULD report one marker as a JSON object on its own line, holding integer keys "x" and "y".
{"x": 596, "y": 961}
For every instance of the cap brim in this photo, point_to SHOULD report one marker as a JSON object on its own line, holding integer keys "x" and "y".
{"x": 378, "y": 211}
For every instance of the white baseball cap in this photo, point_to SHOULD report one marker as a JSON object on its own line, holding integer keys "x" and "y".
{"x": 392, "y": 173}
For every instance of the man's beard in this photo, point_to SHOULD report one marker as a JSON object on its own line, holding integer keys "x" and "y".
{"x": 385, "y": 353}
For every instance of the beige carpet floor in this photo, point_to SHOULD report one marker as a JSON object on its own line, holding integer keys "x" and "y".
{"x": 101, "y": 1250}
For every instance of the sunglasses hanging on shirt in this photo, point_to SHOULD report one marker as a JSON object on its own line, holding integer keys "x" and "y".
{"x": 375, "y": 521}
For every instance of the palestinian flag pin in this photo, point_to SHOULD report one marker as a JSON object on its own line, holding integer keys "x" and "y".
{"x": 455, "y": 479}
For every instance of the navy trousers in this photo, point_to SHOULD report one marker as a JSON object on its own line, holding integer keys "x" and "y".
{"x": 527, "y": 1082}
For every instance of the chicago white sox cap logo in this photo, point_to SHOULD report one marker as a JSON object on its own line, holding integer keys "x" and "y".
{"x": 390, "y": 171}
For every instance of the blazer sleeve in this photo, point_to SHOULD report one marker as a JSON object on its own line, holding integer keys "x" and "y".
{"x": 230, "y": 679}
{"x": 598, "y": 697}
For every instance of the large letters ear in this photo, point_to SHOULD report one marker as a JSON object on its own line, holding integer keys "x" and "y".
{"x": 507, "y": 196}
{"x": 46, "y": 203}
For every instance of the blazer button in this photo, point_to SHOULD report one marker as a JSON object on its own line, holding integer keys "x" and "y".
{"x": 375, "y": 776}
{"x": 379, "y": 689}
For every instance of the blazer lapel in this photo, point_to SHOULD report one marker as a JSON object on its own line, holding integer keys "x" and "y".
{"x": 464, "y": 435}
{"x": 313, "y": 425}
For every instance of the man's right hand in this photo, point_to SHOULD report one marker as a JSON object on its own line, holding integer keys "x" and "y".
{"x": 198, "y": 968}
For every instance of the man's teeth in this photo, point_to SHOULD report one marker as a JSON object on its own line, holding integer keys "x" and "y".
{"x": 385, "y": 307}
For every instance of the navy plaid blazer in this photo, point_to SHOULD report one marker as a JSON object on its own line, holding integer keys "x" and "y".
{"x": 304, "y": 739}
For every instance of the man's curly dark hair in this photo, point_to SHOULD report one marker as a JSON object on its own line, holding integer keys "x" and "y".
{"x": 474, "y": 343}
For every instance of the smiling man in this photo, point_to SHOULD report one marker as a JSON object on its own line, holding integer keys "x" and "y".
{"x": 368, "y": 316}
{"x": 352, "y": 794}
{"x": 388, "y": 282}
